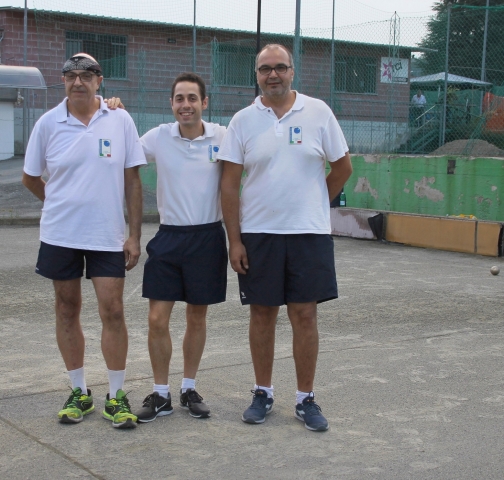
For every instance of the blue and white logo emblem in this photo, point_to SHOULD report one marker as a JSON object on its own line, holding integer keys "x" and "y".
{"x": 295, "y": 135}
{"x": 105, "y": 149}
{"x": 213, "y": 150}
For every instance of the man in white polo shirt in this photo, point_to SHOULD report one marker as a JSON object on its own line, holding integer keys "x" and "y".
{"x": 188, "y": 256}
{"x": 91, "y": 157}
{"x": 279, "y": 231}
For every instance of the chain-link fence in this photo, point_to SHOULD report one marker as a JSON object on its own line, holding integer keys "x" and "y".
{"x": 458, "y": 107}
{"x": 385, "y": 81}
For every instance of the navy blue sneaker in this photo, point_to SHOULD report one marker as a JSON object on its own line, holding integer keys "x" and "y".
{"x": 311, "y": 414}
{"x": 261, "y": 405}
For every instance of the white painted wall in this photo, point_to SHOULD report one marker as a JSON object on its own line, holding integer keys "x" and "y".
{"x": 6, "y": 130}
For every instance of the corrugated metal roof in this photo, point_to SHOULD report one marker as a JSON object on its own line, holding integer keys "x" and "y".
{"x": 439, "y": 78}
{"x": 21, "y": 77}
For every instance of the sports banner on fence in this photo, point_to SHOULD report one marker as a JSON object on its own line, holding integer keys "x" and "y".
{"x": 394, "y": 70}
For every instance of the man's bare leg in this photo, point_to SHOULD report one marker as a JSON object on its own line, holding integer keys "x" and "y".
{"x": 193, "y": 346}
{"x": 262, "y": 342}
{"x": 303, "y": 318}
{"x": 194, "y": 338}
{"x": 71, "y": 343}
{"x": 114, "y": 341}
{"x": 69, "y": 335}
{"x": 262, "y": 348}
{"x": 160, "y": 344}
{"x": 158, "y": 403}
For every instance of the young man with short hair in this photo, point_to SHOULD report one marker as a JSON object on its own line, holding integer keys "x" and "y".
{"x": 188, "y": 256}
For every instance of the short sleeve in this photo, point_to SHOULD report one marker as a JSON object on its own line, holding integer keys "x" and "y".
{"x": 333, "y": 140}
{"x": 134, "y": 152}
{"x": 231, "y": 149}
{"x": 35, "y": 157}
{"x": 148, "y": 142}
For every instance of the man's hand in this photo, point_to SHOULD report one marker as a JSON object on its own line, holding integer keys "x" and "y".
{"x": 113, "y": 103}
{"x": 238, "y": 258}
{"x": 131, "y": 252}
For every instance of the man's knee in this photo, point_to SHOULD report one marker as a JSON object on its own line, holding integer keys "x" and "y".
{"x": 67, "y": 299}
{"x": 196, "y": 324}
{"x": 196, "y": 316}
{"x": 67, "y": 304}
{"x": 263, "y": 313}
{"x": 303, "y": 316}
{"x": 158, "y": 323}
{"x": 112, "y": 312}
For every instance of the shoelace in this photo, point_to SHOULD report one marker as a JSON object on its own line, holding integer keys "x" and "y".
{"x": 149, "y": 401}
{"x": 194, "y": 397}
{"x": 259, "y": 401}
{"x": 124, "y": 404}
{"x": 311, "y": 408}
{"x": 72, "y": 399}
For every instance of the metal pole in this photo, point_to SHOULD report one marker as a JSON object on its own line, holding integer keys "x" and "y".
{"x": 258, "y": 38}
{"x": 443, "y": 127}
{"x": 25, "y": 60}
{"x": 331, "y": 82}
{"x": 25, "y": 33}
{"x": 297, "y": 46}
{"x": 194, "y": 39}
{"x": 485, "y": 34}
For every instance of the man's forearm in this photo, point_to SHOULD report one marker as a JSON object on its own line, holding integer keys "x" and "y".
{"x": 230, "y": 200}
{"x": 134, "y": 201}
{"x": 231, "y": 212}
{"x": 339, "y": 174}
{"x": 35, "y": 184}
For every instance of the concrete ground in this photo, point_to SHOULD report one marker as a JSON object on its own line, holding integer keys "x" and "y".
{"x": 409, "y": 376}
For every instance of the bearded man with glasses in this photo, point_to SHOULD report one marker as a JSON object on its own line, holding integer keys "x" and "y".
{"x": 91, "y": 157}
{"x": 279, "y": 229}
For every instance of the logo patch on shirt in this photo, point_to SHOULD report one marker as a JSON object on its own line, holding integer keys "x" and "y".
{"x": 213, "y": 150}
{"x": 105, "y": 148}
{"x": 295, "y": 134}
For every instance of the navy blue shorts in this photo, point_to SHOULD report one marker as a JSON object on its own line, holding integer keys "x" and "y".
{"x": 291, "y": 268}
{"x": 62, "y": 263}
{"x": 187, "y": 263}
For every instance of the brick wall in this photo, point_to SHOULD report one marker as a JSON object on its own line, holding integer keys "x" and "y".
{"x": 161, "y": 61}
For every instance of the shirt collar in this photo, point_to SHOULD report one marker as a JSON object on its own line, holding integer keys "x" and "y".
{"x": 298, "y": 103}
{"x": 208, "y": 130}
{"x": 62, "y": 109}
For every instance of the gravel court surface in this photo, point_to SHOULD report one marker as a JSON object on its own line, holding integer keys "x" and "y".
{"x": 409, "y": 377}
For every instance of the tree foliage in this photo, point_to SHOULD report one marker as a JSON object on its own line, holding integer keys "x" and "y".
{"x": 467, "y": 27}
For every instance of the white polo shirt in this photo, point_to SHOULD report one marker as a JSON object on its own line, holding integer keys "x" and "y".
{"x": 188, "y": 173}
{"x": 418, "y": 101}
{"x": 84, "y": 204}
{"x": 285, "y": 189}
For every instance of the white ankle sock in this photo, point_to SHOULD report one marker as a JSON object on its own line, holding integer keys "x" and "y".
{"x": 163, "y": 390}
{"x": 300, "y": 396}
{"x": 78, "y": 379}
{"x": 188, "y": 383}
{"x": 268, "y": 390}
{"x": 116, "y": 381}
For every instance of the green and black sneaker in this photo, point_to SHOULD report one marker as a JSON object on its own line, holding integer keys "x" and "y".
{"x": 77, "y": 405}
{"x": 118, "y": 410}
